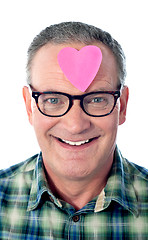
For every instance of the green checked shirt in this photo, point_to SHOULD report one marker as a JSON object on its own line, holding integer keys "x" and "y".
{"x": 29, "y": 210}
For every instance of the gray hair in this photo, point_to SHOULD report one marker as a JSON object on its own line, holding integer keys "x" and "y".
{"x": 68, "y": 32}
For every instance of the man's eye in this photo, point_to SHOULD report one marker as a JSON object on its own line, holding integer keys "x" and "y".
{"x": 98, "y": 100}
{"x": 52, "y": 100}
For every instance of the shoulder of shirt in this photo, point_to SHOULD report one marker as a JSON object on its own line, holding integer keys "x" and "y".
{"x": 135, "y": 171}
{"x": 22, "y": 167}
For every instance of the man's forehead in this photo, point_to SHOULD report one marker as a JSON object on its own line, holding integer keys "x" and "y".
{"x": 46, "y": 60}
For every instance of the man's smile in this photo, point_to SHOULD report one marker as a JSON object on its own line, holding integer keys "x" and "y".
{"x": 76, "y": 143}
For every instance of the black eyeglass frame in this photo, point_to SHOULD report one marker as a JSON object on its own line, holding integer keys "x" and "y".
{"x": 116, "y": 94}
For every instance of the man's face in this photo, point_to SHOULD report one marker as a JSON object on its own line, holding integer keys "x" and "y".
{"x": 66, "y": 160}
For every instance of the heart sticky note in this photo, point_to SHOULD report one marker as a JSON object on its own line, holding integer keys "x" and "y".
{"x": 80, "y": 67}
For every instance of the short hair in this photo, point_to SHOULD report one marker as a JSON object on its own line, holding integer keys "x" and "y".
{"x": 69, "y": 32}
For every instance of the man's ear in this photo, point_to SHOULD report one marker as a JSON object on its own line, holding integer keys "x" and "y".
{"x": 123, "y": 104}
{"x": 27, "y": 99}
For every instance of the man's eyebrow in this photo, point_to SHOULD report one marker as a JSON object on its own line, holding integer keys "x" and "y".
{"x": 47, "y": 90}
{"x": 51, "y": 90}
{"x": 107, "y": 88}
{"x": 102, "y": 89}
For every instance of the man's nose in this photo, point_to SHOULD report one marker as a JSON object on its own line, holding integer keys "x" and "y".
{"x": 76, "y": 121}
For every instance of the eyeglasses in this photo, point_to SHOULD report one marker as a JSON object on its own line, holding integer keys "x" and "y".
{"x": 57, "y": 104}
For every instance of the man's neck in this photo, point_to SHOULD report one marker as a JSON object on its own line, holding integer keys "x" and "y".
{"x": 77, "y": 193}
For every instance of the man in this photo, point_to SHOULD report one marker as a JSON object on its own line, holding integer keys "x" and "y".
{"x": 79, "y": 186}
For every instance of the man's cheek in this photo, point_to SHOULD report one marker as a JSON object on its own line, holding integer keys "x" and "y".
{"x": 111, "y": 127}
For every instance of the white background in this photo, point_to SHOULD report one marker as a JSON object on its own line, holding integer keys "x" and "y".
{"x": 20, "y": 21}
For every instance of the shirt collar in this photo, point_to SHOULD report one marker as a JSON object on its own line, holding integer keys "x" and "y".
{"x": 40, "y": 186}
{"x": 119, "y": 187}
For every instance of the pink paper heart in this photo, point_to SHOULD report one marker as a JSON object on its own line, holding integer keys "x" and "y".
{"x": 80, "y": 67}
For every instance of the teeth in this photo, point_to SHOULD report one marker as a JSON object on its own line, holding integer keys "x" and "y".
{"x": 75, "y": 143}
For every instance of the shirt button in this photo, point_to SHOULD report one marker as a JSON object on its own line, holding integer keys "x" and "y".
{"x": 76, "y": 218}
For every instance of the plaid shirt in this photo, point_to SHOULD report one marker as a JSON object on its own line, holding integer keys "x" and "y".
{"x": 28, "y": 209}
